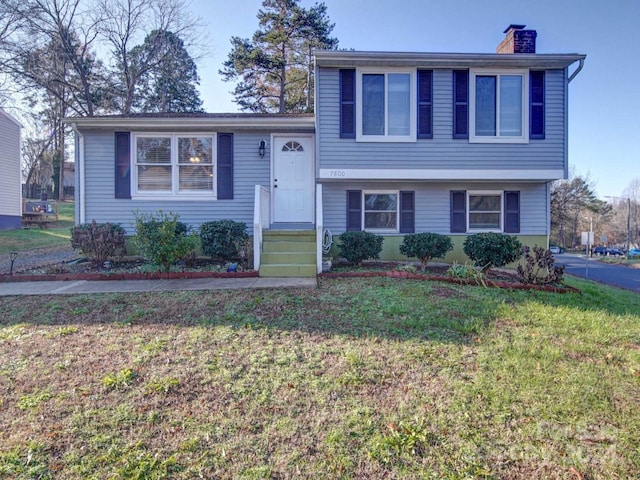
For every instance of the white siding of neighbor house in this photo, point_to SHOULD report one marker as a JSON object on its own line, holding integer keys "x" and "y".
{"x": 441, "y": 152}
{"x": 102, "y": 206}
{"x": 10, "y": 181}
{"x": 432, "y": 204}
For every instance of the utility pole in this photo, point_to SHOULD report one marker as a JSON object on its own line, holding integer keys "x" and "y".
{"x": 628, "y": 225}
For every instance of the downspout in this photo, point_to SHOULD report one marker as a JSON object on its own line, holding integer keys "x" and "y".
{"x": 80, "y": 180}
{"x": 577, "y": 71}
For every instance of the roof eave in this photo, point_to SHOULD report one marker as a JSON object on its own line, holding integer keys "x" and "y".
{"x": 217, "y": 123}
{"x": 338, "y": 59}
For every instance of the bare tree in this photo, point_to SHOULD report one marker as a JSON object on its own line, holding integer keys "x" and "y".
{"x": 124, "y": 24}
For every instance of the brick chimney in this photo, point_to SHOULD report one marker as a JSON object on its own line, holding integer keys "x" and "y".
{"x": 518, "y": 40}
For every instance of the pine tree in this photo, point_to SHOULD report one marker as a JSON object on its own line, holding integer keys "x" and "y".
{"x": 170, "y": 85}
{"x": 273, "y": 70}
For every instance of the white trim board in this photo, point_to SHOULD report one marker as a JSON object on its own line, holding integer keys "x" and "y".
{"x": 431, "y": 174}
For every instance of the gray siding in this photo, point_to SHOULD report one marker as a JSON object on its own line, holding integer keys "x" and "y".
{"x": 441, "y": 152}
{"x": 100, "y": 204}
{"x": 10, "y": 181}
{"x": 433, "y": 202}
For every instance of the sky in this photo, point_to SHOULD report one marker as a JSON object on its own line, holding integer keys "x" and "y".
{"x": 604, "y": 99}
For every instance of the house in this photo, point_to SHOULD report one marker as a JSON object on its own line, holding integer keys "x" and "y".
{"x": 448, "y": 143}
{"x": 10, "y": 172}
{"x": 400, "y": 142}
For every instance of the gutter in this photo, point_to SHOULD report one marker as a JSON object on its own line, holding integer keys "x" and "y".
{"x": 80, "y": 180}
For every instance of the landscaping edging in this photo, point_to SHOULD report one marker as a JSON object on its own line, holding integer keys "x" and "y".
{"x": 457, "y": 281}
{"x": 125, "y": 276}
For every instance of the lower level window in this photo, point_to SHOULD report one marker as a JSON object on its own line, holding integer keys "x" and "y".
{"x": 485, "y": 210}
{"x": 174, "y": 164}
{"x": 381, "y": 211}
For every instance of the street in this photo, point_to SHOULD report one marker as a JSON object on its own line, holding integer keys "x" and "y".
{"x": 616, "y": 275}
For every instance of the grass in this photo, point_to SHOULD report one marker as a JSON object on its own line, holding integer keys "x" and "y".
{"x": 360, "y": 378}
{"x": 21, "y": 240}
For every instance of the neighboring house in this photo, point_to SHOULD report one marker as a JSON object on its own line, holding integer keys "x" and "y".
{"x": 400, "y": 143}
{"x": 10, "y": 173}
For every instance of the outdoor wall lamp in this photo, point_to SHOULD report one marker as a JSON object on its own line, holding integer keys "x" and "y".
{"x": 262, "y": 146}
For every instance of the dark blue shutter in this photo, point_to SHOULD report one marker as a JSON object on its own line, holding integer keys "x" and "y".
{"x": 425, "y": 104}
{"x": 458, "y": 211}
{"x": 407, "y": 212}
{"x": 347, "y": 103}
{"x": 536, "y": 105}
{"x": 460, "y": 104}
{"x": 512, "y": 212}
{"x": 354, "y": 210}
{"x": 225, "y": 166}
{"x": 123, "y": 165}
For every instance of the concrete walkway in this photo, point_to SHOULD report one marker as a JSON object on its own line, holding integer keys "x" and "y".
{"x": 124, "y": 286}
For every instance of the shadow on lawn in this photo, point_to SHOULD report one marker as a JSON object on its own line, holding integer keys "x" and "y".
{"x": 358, "y": 307}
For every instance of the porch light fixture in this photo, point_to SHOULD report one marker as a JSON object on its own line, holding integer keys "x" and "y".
{"x": 262, "y": 146}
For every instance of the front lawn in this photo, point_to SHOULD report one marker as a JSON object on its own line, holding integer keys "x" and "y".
{"x": 360, "y": 378}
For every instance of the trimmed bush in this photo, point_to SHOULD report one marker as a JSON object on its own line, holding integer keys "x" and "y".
{"x": 359, "y": 246}
{"x": 163, "y": 239}
{"x": 425, "y": 246}
{"x": 491, "y": 249}
{"x": 98, "y": 241}
{"x": 536, "y": 267}
{"x": 222, "y": 238}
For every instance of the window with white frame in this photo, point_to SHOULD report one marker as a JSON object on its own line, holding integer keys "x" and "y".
{"x": 380, "y": 211}
{"x": 499, "y": 106}
{"x": 485, "y": 210}
{"x": 174, "y": 164}
{"x": 386, "y": 109}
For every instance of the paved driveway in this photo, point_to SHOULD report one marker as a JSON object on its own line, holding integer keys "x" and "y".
{"x": 616, "y": 275}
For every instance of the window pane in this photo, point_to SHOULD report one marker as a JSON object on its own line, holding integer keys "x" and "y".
{"x": 484, "y": 203}
{"x": 486, "y": 106}
{"x": 511, "y": 105}
{"x": 195, "y": 150}
{"x": 381, "y": 211}
{"x": 373, "y": 104}
{"x": 380, "y": 201}
{"x": 381, "y": 220}
{"x": 153, "y": 150}
{"x": 484, "y": 221}
{"x": 196, "y": 177}
{"x": 154, "y": 178}
{"x": 399, "y": 102}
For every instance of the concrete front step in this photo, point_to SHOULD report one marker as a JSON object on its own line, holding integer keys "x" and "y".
{"x": 273, "y": 246}
{"x": 289, "y": 236}
{"x": 288, "y": 253}
{"x": 287, "y": 270}
{"x": 295, "y": 258}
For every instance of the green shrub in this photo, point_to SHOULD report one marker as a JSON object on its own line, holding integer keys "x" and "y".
{"x": 536, "y": 267}
{"x": 222, "y": 238}
{"x": 98, "y": 241}
{"x": 359, "y": 246}
{"x": 492, "y": 249}
{"x": 162, "y": 239}
{"x": 466, "y": 271}
{"x": 425, "y": 246}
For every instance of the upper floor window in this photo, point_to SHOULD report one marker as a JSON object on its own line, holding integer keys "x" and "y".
{"x": 499, "y": 106}
{"x": 386, "y": 106}
{"x": 174, "y": 164}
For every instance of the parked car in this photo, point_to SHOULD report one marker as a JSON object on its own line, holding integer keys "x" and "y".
{"x": 555, "y": 249}
{"x": 634, "y": 252}
{"x": 608, "y": 251}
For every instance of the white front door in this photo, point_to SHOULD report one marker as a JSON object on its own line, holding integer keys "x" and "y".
{"x": 293, "y": 179}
